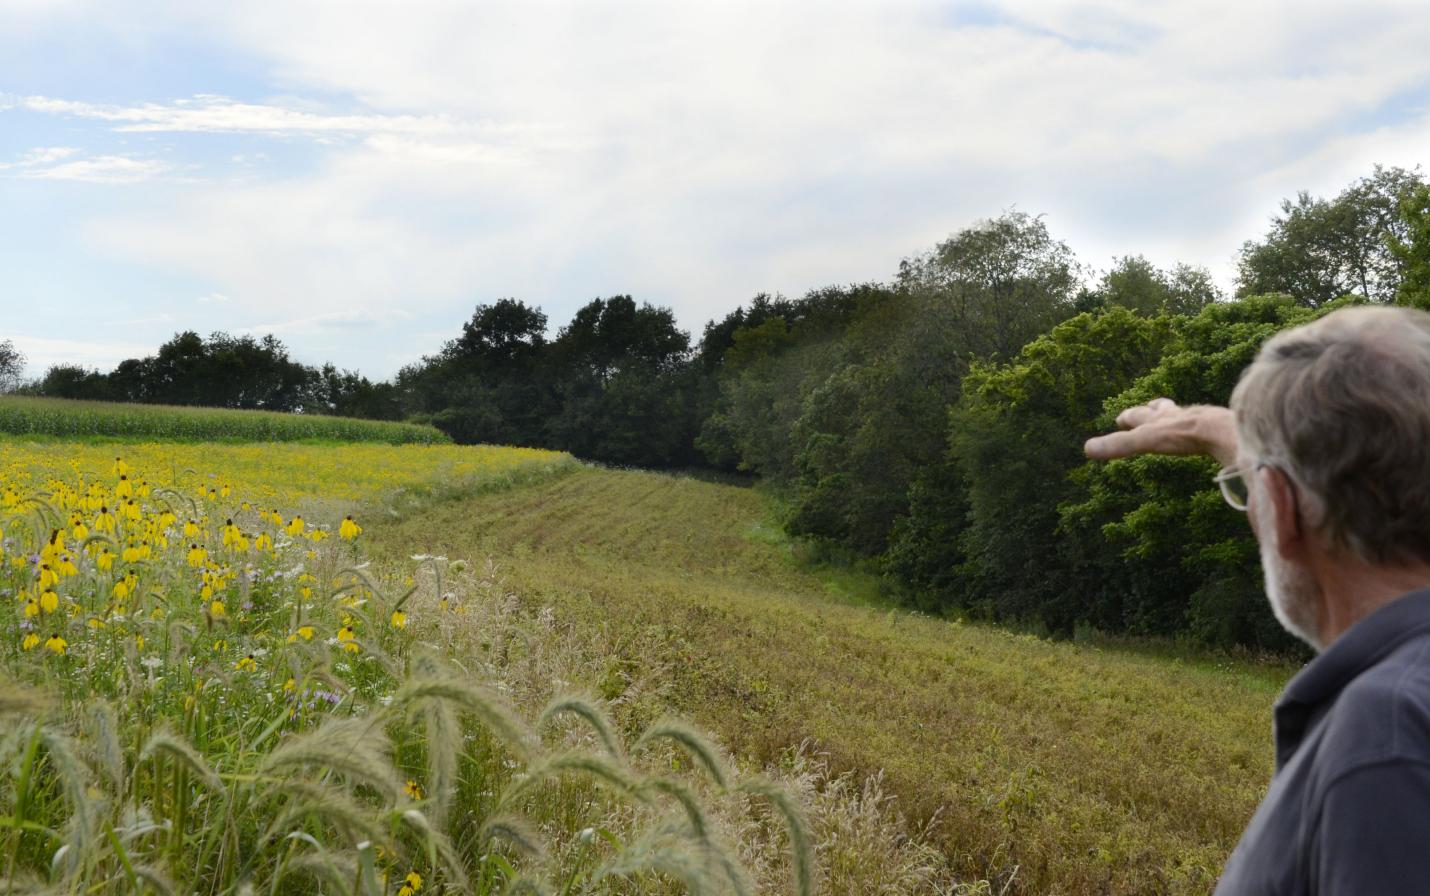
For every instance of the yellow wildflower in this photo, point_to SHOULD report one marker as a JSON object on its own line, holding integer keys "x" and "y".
{"x": 56, "y": 644}
{"x": 49, "y": 601}
{"x": 349, "y": 529}
{"x": 295, "y": 527}
{"x": 217, "y": 610}
{"x": 414, "y": 790}
{"x": 105, "y": 521}
{"x": 123, "y": 489}
{"x": 105, "y": 559}
{"x": 246, "y": 664}
{"x": 30, "y": 641}
{"x": 32, "y": 608}
{"x": 399, "y": 619}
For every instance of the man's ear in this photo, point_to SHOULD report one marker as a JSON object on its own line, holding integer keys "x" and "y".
{"x": 1277, "y": 489}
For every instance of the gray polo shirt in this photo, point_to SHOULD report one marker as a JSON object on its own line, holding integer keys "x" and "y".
{"x": 1349, "y": 806}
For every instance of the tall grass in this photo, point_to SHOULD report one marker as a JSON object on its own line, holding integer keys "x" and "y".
{"x": 1041, "y": 766}
{"x": 206, "y": 697}
{"x": 62, "y": 418}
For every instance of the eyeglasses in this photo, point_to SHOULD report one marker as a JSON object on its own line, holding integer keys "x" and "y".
{"x": 1233, "y": 487}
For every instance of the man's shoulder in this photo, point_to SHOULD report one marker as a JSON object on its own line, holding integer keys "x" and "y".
{"x": 1382, "y": 716}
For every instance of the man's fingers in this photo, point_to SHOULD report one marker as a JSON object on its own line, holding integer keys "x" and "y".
{"x": 1145, "y": 413}
{"x": 1117, "y": 444}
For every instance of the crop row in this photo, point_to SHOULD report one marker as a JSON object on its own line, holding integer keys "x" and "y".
{"x": 58, "y": 417}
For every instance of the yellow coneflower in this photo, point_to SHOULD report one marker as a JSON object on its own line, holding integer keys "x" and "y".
{"x": 197, "y": 555}
{"x": 217, "y": 610}
{"x": 49, "y": 601}
{"x": 399, "y": 619}
{"x": 30, "y": 641}
{"x": 32, "y": 608}
{"x": 246, "y": 664}
{"x": 56, "y": 644}
{"x": 295, "y": 527}
{"x": 349, "y": 529}
{"x": 105, "y": 521}
{"x": 123, "y": 489}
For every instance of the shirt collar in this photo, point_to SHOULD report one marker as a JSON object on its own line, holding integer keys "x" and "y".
{"x": 1359, "y": 648}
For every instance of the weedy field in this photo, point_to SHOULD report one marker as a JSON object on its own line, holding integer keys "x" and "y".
{"x": 1041, "y": 767}
{"x": 62, "y": 418}
{"x": 218, "y": 683}
{"x": 207, "y": 693}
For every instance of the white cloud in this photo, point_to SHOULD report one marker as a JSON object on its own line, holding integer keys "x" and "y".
{"x": 694, "y": 154}
{"x": 213, "y": 298}
{"x": 101, "y": 170}
{"x": 40, "y": 155}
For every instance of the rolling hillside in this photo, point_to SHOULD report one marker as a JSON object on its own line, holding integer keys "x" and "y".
{"x": 1063, "y": 767}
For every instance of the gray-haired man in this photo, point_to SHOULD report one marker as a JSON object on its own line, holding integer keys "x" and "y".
{"x": 1327, "y": 447}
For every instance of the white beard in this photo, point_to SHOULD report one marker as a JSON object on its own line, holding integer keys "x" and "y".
{"x": 1293, "y": 592}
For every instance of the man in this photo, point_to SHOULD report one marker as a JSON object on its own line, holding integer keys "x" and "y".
{"x": 1327, "y": 447}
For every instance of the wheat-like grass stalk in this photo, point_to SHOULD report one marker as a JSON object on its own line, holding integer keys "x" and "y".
{"x": 354, "y": 747}
{"x": 444, "y": 742}
{"x": 694, "y": 743}
{"x": 181, "y": 751}
{"x": 663, "y": 850}
{"x": 74, "y": 781}
{"x": 332, "y": 804}
{"x": 586, "y": 709}
{"x": 801, "y": 846}
{"x": 612, "y": 775}
{"x": 438, "y": 847}
{"x": 514, "y": 830}
{"x": 479, "y": 702}
{"x": 107, "y": 748}
{"x": 157, "y": 880}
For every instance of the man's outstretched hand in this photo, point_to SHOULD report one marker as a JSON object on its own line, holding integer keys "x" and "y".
{"x": 1161, "y": 426}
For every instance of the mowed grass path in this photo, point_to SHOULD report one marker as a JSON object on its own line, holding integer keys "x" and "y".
{"x": 1088, "y": 770}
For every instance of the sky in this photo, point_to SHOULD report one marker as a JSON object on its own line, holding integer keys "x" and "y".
{"x": 355, "y": 177}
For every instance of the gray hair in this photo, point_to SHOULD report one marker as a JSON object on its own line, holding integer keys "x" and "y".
{"x": 1342, "y": 406}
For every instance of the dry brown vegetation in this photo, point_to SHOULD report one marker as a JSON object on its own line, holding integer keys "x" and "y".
{"x": 1041, "y": 766}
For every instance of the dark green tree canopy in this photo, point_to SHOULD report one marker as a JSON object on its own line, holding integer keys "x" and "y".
{"x": 1318, "y": 250}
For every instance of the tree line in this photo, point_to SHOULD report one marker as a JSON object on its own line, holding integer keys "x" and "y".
{"x": 930, "y": 425}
